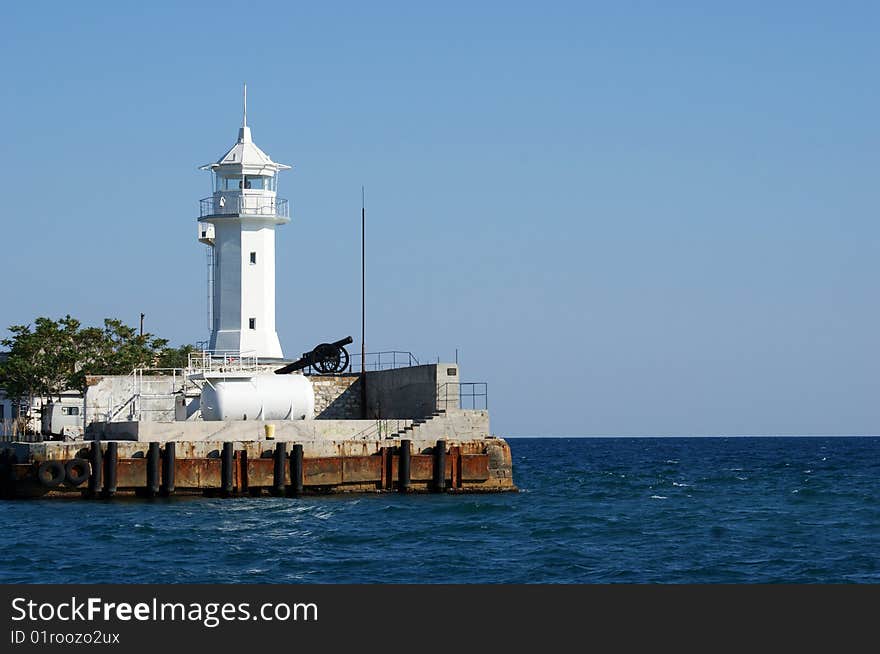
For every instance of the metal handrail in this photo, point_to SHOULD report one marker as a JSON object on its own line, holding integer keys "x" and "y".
{"x": 385, "y": 360}
{"x": 455, "y": 395}
{"x": 234, "y": 205}
{"x": 221, "y": 361}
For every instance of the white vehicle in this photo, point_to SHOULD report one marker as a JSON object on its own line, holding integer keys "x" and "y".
{"x": 64, "y": 418}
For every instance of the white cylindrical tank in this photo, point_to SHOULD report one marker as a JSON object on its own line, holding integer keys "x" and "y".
{"x": 261, "y": 397}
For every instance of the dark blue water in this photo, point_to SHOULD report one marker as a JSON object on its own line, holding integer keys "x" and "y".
{"x": 590, "y": 510}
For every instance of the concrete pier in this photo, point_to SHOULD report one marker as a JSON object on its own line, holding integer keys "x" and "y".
{"x": 418, "y": 440}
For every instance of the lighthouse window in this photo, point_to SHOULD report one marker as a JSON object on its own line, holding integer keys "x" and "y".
{"x": 253, "y": 182}
{"x": 227, "y": 183}
{"x": 236, "y": 182}
{"x": 252, "y": 323}
{"x": 253, "y": 257}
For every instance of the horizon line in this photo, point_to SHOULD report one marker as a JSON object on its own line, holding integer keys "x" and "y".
{"x": 704, "y": 436}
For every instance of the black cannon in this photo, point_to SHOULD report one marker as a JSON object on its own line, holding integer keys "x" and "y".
{"x": 327, "y": 358}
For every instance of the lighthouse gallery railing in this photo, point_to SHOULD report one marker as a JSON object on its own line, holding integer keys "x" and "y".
{"x": 244, "y": 204}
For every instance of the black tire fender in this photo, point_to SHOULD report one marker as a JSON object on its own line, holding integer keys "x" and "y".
{"x": 77, "y": 471}
{"x": 51, "y": 473}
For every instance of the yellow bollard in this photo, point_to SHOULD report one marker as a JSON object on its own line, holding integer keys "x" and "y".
{"x": 270, "y": 431}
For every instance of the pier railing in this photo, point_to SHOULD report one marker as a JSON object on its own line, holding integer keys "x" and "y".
{"x": 463, "y": 395}
{"x": 387, "y": 360}
{"x": 222, "y": 361}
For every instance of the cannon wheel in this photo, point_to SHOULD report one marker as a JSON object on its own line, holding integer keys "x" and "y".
{"x": 330, "y": 358}
{"x": 343, "y": 360}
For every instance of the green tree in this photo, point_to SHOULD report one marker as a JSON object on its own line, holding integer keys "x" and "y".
{"x": 40, "y": 358}
{"x": 175, "y": 357}
{"x": 50, "y": 357}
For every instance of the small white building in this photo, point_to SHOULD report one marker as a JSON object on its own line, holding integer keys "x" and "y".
{"x": 238, "y": 223}
{"x": 9, "y": 411}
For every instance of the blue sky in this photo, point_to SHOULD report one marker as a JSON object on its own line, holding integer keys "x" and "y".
{"x": 629, "y": 219}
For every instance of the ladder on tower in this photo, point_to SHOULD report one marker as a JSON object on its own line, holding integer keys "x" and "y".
{"x": 210, "y": 305}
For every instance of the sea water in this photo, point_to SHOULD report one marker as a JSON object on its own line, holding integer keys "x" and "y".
{"x": 592, "y": 510}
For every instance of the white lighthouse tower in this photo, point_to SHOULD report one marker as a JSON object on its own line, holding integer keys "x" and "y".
{"x": 238, "y": 223}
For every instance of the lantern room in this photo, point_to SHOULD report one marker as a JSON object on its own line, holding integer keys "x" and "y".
{"x": 245, "y": 181}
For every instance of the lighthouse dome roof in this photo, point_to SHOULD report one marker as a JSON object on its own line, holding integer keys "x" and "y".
{"x": 246, "y": 157}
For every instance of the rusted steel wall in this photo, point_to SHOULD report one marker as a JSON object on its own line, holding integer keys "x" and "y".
{"x": 470, "y": 466}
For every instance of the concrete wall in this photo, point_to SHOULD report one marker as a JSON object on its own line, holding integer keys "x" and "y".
{"x": 448, "y": 388}
{"x": 337, "y": 397}
{"x": 111, "y": 397}
{"x": 248, "y": 430}
{"x": 187, "y": 406}
{"x": 399, "y": 394}
{"x": 454, "y": 425}
{"x": 412, "y": 392}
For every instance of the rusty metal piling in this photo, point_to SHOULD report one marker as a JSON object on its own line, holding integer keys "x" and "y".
{"x": 226, "y": 485}
{"x": 296, "y": 470}
{"x": 111, "y": 459}
{"x": 168, "y": 462}
{"x": 440, "y": 466}
{"x": 97, "y": 466}
{"x": 403, "y": 467}
{"x": 153, "y": 470}
{"x": 278, "y": 469}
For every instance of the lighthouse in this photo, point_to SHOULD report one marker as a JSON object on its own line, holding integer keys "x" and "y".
{"x": 237, "y": 222}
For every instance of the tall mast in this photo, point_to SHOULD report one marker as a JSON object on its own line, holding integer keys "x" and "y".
{"x": 363, "y": 282}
